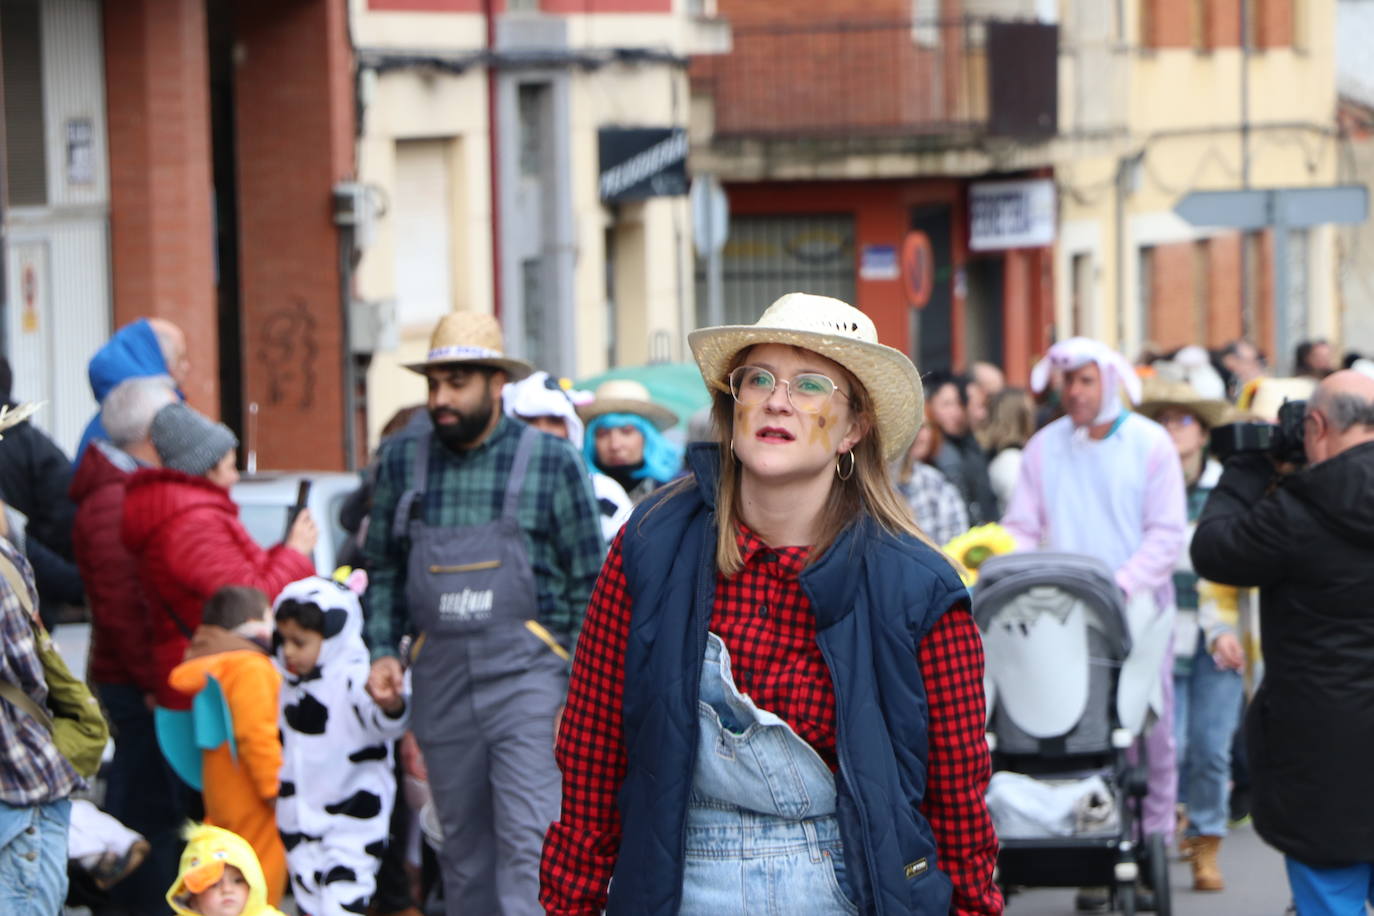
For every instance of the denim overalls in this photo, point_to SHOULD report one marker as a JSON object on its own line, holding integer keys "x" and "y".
{"x": 762, "y": 838}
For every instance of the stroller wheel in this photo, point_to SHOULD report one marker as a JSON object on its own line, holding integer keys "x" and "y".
{"x": 1157, "y": 873}
{"x": 1125, "y": 899}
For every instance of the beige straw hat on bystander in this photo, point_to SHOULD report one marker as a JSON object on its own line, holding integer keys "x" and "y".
{"x": 839, "y": 332}
{"x": 474, "y": 338}
{"x": 1160, "y": 394}
{"x": 623, "y": 395}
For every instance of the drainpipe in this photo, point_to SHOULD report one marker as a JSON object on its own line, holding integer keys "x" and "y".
{"x": 1249, "y": 326}
{"x": 494, "y": 155}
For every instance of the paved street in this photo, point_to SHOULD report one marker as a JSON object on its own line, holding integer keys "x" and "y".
{"x": 1255, "y": 886}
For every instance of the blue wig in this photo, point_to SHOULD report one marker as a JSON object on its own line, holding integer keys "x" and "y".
{"x": 662, "y": 458}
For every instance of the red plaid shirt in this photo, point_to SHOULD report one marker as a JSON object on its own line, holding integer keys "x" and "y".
{"x": 767, "y": 625}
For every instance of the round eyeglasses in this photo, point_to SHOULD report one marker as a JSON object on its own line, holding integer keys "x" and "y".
{"x": 808, "y": 392}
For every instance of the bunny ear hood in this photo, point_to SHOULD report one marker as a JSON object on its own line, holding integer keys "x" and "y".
{"x": 1077, "y": 352}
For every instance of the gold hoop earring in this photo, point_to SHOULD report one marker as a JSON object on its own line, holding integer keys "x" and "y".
{"x": 840, "y": 474}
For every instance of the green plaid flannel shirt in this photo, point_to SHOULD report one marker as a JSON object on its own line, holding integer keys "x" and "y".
{"x": 557, "y": 512}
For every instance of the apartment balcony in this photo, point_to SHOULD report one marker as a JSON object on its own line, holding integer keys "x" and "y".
{"x": 834, "y": 98}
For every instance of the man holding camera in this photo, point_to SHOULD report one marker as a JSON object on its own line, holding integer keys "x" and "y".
{"x": 1306, "y": 539}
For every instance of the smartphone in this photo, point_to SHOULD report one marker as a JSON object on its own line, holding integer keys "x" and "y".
{"x": 302, "y": 500}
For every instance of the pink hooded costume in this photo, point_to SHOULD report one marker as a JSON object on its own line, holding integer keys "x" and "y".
{"x": 1120, "y": 499}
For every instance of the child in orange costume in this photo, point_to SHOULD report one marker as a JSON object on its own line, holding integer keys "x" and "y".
{"x": 240, "y": 775}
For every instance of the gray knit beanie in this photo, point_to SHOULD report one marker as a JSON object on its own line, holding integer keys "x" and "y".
{"x": 189, "y": 442}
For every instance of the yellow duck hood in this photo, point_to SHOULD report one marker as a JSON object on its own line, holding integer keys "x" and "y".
{"x": 208, "y": 850}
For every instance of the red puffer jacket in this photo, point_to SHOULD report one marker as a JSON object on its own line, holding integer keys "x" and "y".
{"x": 189, "y": 542}
{"x": 120, "y": 627}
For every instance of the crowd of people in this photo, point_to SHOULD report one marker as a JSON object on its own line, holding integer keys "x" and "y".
{"x": 574, "y": 662}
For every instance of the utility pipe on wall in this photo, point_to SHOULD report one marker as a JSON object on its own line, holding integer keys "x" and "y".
{"x": 494, "y": 155}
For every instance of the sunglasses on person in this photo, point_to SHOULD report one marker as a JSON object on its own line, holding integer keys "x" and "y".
{"x": 808, "y": 392}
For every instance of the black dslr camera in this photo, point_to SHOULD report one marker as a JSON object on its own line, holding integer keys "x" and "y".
{"x": 1282, "y": 441}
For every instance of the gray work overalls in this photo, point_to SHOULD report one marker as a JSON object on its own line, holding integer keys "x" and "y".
{"x": 486, "y": 691}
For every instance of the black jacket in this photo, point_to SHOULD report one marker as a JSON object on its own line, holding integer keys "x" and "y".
{"x": 965, "y": 463}
{"x": 34, "y": 477}
{"x": 1309, "y": 546}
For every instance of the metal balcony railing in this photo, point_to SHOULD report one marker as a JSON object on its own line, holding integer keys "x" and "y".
{"x": 883, "y": 78}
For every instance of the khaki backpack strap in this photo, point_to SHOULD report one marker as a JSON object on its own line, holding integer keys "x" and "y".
{"x": 25, "y": 703}
{"x": 9, "y": 691}
{"x": 16, "y": 582}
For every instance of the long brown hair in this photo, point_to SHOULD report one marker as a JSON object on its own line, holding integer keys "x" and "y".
{"x": 937, "y": 439}
{"x": 1011, "y": 420}
{"x": 868, "y": 490}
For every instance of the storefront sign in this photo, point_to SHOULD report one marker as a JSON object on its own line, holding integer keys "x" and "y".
{"x": 642, "y": 162}
{"x": 878, "y": 262}
{"x": 1011, "y": 214}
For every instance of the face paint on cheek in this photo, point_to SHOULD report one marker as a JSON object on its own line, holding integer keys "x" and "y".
{"x": 742, "y": 425}
{"x": 819, "y": 436}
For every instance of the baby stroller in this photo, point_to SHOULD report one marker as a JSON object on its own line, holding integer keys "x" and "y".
{"x": 1068, "y": 697}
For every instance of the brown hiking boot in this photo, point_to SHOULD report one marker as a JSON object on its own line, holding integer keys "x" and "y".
{"x": 1206, "y": 871}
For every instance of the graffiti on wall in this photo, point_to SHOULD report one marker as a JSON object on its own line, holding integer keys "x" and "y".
{"x": 288, "y": 350}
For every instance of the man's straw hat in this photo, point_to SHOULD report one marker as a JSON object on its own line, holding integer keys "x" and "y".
{"x": 624, "y": 395}
{"x": 471, "y": 338}
{"x": 839, "y": 332}
{"x": 1159, "y": 394}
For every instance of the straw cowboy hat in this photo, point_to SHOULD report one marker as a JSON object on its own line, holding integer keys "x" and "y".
{"x": 472, "y": 338}
{"x": 838, "y": 332}
{"x": 11, "y": 417}
{"x": 623, "y": 395}
{"x": 1160, "y": 394}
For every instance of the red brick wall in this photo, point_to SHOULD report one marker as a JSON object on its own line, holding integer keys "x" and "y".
{"x": 1171, "y": 318}
{"x": 1166, "y": 23}
{"x": 1274, "y": 23}
{"x": 1189, "y": 308}
{"x": 547, "y": 6}
{"x": 1223, "y": 320}
{"x": 833, "y": 63}
{"x": 293, "y": 105}
{"x": 1169, "y": 23}
{"x": 161, "y": 231}
{"x": 1221, "y": 28}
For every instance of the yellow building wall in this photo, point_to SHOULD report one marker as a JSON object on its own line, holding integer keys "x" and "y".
{"x": 1182, "y": 114}
{"x": 654, "y": 265}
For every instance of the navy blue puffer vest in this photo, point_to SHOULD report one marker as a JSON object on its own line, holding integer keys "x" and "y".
{"x": 875, "y": 596}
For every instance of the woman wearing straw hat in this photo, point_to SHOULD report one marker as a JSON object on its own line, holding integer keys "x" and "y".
{"x": 625, "y": 437}
{"x": 777, "y": 704}
{"x": 1208, "y": 658}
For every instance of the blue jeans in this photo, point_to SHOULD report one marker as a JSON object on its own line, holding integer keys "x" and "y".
{"x": 1206, "y": 712}
{"x": 142, "y": 791}
{"x": 762, "y": 837}
{"x": 33, "y": 858}
{"x": 1330, "y": 891}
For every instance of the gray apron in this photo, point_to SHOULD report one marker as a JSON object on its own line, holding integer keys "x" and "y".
{"x": 486, "y": 690}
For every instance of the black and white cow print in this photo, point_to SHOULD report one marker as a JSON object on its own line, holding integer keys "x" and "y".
{"x": 337, "y": 780}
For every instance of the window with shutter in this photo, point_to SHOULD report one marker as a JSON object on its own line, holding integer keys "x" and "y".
{"x": 21, "y": 48}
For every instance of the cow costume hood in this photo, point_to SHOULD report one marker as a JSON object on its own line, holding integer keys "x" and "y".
{"x": 337, "y": 778}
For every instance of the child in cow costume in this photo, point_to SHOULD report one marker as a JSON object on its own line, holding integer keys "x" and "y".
{"x": 337, "y": 779}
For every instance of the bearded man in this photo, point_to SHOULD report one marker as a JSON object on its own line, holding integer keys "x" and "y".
{"x": 484, "y": 544}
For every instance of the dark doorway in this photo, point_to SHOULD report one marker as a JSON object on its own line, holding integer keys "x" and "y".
{"x": 933, "y": 325}
{"x": 983, "y": 310}
{"x": 219, "y": 27}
